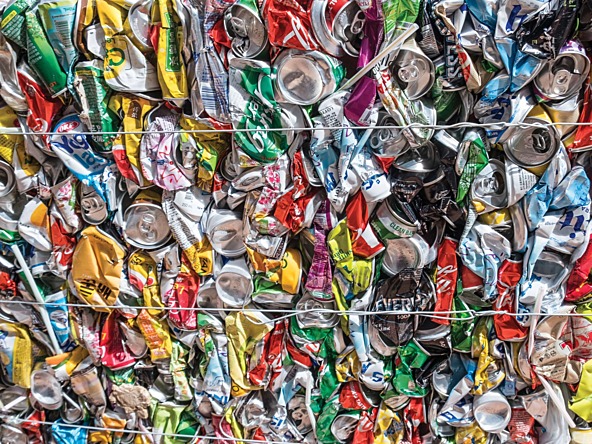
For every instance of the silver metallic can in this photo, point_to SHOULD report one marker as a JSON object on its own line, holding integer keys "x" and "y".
{"x": 423, "y": 159}
{"x": 492, "y": 411}
{"x": 138, "y": 20}
{"x": 567, "y": 110}
{"x": 224, "y": 229}
{"x": 94, "y": 209}
{"x": 404, "y": 253}
{"x": 304, "y": 78}
{"x": 344, "y": 426}
{"x": 246, "y": 29}
{"x": 7, "y": 182}
{"x": 391, "y": 221}
{"x": 533, "y": 148}
{"x": 564, "y": 75}
{"x": 46, "y": 391}
{"x": 387, "y": 142}
{"x": 338, "y": 26}
{"x": 413, "y": 70}
{"x": 146, "y": 224}
{"x": 311, "y": 314}
{"x": 489, "y": 191}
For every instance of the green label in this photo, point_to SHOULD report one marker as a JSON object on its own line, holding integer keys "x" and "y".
{"x": 261, "y": 112}
{"x": 476, "y": 160}
{"x": 173, "y": 58}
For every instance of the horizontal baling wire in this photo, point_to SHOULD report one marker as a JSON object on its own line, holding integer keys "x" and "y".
{"x": 295, "y": 312}
{"x": 523, "y": 125}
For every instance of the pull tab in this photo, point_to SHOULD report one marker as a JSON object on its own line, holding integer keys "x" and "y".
{"x": 145, "y": 227}
{"x": 408, "y": 73}
{"x": 561, "y": 81}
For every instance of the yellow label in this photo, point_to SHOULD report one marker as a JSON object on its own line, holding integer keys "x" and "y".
{"x": 156, "y": 334}
{"x": 497, "y": 217}
{"x": 39, "y": 216}
{"x": 96, "y": 268}
{"x": 201, "y": 257}
{"x": 340, "y": 248}
{"x": 244, "y": 331}
{"x": 389, "y": 427}
{"x": 134, "y": 110}
{"x": 18, "y": 355}
{"x": 9, "y": 142}
{"x": 170, "y": 66}
{"x": 8, "y": 18}
{"x": 143, "y": 274}
{"x": 111, "y": 17}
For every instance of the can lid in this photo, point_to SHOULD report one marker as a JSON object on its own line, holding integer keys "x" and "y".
{"x": 299, "y": 79}
{"x": 415, "y": 72}
{"x": 492, "y": 411}
{"x": 423, "y": 159}
{"x": 224, "y": 229}
{"x": 46, "y": 390}
{"x": 489, "y": 189}
{"x": 312, "y": 314}
{"x": 233, "y": 284}
{"x": 146, "y": 226}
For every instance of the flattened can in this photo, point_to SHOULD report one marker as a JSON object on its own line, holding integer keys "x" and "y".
{"x": 492, "y": 411}
{"x": 567, "y": 110}
{"x": 313, "y": 315}
{"x": 387, "y": 142}
{"x": 304, "y": 78}
{"x": 344, "y": 426}
{"x": 94, "y": 209}
{"x": 145, "y": 223}
{"x": 244, "y": 26}
{"x": 564, "y": 75}
{"x": 46, "y": 390}
{"x": 489, "y": 190}
{"x": 392, "y": 222}
{"x": 404, "y": 253}
{"x": 533, "y": 148}
{"x": 346, "y": 23}
{"x": 413, "y": 70}
{"x": 8, "y": 189}
{"x": 138, "y": 22}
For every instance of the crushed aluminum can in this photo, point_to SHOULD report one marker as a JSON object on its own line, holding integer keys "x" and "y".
{"x": 305, "y": 78}
{"x": 392, "y": 221}
{"x": 492, "y": 411}
{"x": 533, "y": 148}
{"x": 245, "y": 27}
{"x": 146, "y": 224}
{"x": 564, "y": 75}
{"x": 410, "y": 252}
{"x": 338, "y": 26}
{"x": 46, "y": 390}
{"x": 489, "y": 190}
{"x": 413, "y": 70}
{"x": 312, "y": 317}
{"x": 225, "y": 232}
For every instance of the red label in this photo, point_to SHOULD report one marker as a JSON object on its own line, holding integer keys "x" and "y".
{"x": 506, "y": 326}
{"x": 446, "y": 277}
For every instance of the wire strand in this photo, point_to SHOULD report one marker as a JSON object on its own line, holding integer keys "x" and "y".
{"x": 294, "y": 312}
{"x": 498, "y": 125}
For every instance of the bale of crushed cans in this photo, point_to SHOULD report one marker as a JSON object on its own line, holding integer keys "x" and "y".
{"x": 319, "y": 221}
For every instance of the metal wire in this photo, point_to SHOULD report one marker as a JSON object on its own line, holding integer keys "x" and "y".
{"x": 142, "y": 432}
{"x": 294, "y": 312}
{"x": 16, "y": 131}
